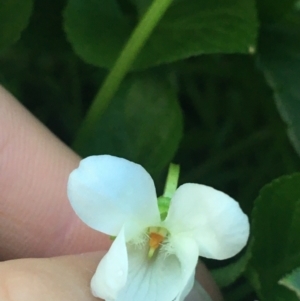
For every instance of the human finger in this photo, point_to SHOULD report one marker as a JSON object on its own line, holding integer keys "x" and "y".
{"x": 35, "y": 216}
{"x": 65, "y": 278}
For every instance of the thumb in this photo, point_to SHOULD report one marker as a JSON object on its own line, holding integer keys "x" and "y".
{"x": 67, "y": 278}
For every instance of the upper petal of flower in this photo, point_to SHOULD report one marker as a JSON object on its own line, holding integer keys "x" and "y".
{"x": 107, "y": 191}
{"x": 112, "y": 271}
{"x": 211, "y": 217}
{"x": 156, "y": 279}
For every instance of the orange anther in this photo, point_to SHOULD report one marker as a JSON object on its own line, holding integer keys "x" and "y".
{"x": 155, "y": 240}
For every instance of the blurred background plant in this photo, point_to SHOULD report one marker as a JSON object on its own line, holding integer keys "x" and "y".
{"x": 208, "y": 107}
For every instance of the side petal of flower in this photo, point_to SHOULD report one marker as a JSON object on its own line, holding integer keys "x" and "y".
{"x": 107, "y": 191}
{"x": 186, "y": 250}
{"x": 187, "y": 289}
{"x": 214, "y": 219}
{"x": 112, "y": 271}
{"x": 154, "y": 279}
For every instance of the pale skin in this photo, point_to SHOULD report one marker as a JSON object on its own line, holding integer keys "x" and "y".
{"x": 36, "y": 220}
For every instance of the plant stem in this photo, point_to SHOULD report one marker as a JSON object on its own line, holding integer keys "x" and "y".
{"x": 172, "y": 180}
{"x": 111, "y": 84}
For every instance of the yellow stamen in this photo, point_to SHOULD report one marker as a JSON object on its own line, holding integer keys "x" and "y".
{"x": 155, "y": 240}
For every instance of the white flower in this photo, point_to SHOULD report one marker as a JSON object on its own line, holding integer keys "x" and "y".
{"x": 152, "y": 259}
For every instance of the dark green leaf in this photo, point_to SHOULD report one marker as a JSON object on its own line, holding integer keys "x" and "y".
{"x": 192, "y": 28}
{"x": 98, "y": 30}
{"x": 14, "y": 17}
{"x": 292, "y": 281}
{"x": 276, "y": 244}
{"x": 230, "y": 273}
{"x": 270, "y": 10}
{"x": 45, "y": 30}
{"x": 141, "y": 6}
{"x": 143, "y": 123}
{"x": 279, "y": 57}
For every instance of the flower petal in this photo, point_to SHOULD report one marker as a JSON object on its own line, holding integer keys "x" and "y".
{"x": 107, "y": 191}
{"x": 155, "y": 279}
{"x": 187, "y": 289}
{"x": 211, "y": 217}
{"x": 186, "y": 250}
{"x": 112, "y": 272}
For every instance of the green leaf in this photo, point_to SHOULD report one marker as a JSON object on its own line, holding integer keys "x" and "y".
{"x": 292, "y": 281}
{"x": 279, "y": 59}
{"x": 192, "y": 28}
{"x": 270, "y": 10}
{"x": 229, "y": 274}
{"x": 141, "y": 6}
{"x": 14, "y": 17}
{"x": 276, "y": 239}
{"x": 143, "y": 123}
{"x": 98, "y": 30}
{"x": 45, "y": 32}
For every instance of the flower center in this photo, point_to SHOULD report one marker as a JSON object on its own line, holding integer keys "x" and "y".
{"x": 156, "y": 237}
{"x": 155, "y": 240}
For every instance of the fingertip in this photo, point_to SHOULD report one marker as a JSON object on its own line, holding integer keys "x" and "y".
{"x": 65, "y": 278}
{"x": 207, "y": 282}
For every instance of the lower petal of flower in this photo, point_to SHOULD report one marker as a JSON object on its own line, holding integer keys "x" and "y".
{"x": 158, "y": 278}
{"x": 111, "y": 274}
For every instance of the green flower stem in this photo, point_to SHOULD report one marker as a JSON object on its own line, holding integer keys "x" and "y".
{"x": 170, "y": 188}
{"x": 110, "y": 86}
{"x": 172, "y": 181}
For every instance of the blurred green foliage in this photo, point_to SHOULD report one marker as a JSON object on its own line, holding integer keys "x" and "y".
{"x": 221, "y": 26}
{"x": 213, "y": 114}
{"x": 292, "y": 281}
{"x": 14, "y": 16}
{"x": 275, "y": 250}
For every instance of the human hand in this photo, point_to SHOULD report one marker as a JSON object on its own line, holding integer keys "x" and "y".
{"x": 36, "y": 219}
